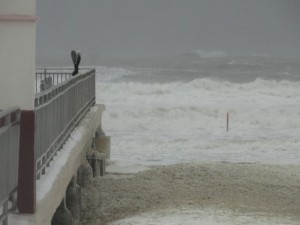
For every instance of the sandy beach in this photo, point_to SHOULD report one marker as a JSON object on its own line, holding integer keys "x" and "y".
{"x": 271, "y": 191}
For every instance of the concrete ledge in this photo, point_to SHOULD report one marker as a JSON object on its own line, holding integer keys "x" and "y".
{"x": 18, "y": 18}
{"x": 51, "y": 187}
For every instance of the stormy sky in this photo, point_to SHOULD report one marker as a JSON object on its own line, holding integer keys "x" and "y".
{"x": 156, "y": 28}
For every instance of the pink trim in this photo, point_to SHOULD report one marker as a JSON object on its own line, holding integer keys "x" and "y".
{"x": 18, "y": 18}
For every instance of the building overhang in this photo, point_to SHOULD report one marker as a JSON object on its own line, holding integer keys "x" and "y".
{"x": 18, "y": 18}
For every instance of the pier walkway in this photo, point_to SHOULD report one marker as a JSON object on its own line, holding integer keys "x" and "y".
{"x": 43, "y": 152}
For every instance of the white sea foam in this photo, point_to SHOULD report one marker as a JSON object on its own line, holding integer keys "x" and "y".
{"x": 167, "y": 123}
{"x": 110, "y": 73}
{"x": 205, "y": 217}
{"x": 162, "y": 123}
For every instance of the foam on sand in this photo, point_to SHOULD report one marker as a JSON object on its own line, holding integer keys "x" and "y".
{"x": 192, "y": 216}
{"x": 217, "y": 193}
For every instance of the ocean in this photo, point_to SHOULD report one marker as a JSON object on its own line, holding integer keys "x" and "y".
{"x": 240, "y": 113}
{"x": 179, "y": 114}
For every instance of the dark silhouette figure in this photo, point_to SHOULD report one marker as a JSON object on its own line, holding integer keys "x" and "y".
{"x": 76, "y": 58}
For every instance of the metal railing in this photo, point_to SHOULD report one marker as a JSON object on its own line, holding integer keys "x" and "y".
{"x": 45, "y": 78}
{"x": 58, "y": 110}
{"x": 9, "y": 160}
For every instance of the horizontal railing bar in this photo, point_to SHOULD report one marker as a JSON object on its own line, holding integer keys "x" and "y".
{"x": 60, "y": 73}
{"x": 64, "y": 68}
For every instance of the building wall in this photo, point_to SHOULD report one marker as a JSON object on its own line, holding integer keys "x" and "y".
{"x": 18, "y": 7}
{"x": 17, "y": 53}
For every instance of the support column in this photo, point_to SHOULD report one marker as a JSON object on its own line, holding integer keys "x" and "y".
{"x": 103, "y": 145}
{"x": 62, "y": 216}
{"x": 26, "y": 178}
{"x": 73, "y": 200}
{"x": 97, "y": 162}
{"x": 84, "y": 175}
{"x": 102, "y": 142}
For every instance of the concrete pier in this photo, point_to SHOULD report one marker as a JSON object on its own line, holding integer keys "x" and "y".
{"x": 62, "y": 215}
{"x": 60, "y": 182}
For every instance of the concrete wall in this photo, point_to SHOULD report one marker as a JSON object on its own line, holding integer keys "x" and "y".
{"x": 17, "y": 53}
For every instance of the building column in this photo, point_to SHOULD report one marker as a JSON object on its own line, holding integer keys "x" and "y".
{"x": 17, "y": 82}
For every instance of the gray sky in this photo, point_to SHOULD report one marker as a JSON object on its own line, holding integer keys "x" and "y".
{"x": 150, "y": 28}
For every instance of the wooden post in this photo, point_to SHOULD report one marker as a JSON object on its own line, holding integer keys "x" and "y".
{"x": 227, "y": 127}
{"x": 27, "y": 178}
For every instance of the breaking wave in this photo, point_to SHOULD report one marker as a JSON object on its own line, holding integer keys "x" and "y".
{"x": 184, "y": 121}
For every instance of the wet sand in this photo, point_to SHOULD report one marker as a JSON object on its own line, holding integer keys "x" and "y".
{"x": 273, "y": 190}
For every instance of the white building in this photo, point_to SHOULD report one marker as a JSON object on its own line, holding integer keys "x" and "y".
{"x": 17, "y": 53}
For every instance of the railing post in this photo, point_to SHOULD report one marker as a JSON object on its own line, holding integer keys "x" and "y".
{"x": 45, "y": 74}
{"x": 27, "y": 170}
